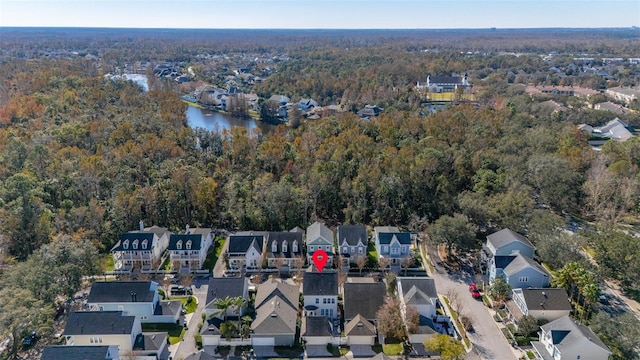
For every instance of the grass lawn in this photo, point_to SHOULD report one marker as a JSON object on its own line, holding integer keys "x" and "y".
{"x": 214, "y": 253}
{"x": 466, "y": 340}
{"x": 190, "y": 307}
{"x": 392, "y": 349}
{"x": 107, "y": 263}
{"x": 176, "y": 332}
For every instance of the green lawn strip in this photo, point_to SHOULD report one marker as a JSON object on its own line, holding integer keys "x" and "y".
{"x": 175, "y": 331}
{"x": 463, "y": 333}
{"x": 392, "y": 349}
{"x": 190, "y": 307}
{"x": 108, "y": 263}
{"x": 214, "y": 253}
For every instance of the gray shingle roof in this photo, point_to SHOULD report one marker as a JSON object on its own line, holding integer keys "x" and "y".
{"x": 62, "y": 352}
{"x": 322, "y": 284}
{"x": 121, "y": 292}
{"x": 99, "y": 323}
{"x": 352, "y": 234}
{"x": 220, "y": 288}
{"x": 150, "y": 341}
{"x": 315, "y": 326}
{"x": 513, "y": 264}
{"x": 196, "y": 241}
{"x": 318, "y": 230}
{"x": 546, "y": 299}
{"x": 364, "y": 299}
{"x": 168, "y": 308}
{"x": 274, "y": 287}
{"x": 567, "y": 333}
{"x": 359, "y": 326}
{"x": 425, "y": 285}
{"x": 506, "y": 236}
{"x": 242, "y": 243}
{"x": 275, "y": 317}
{"x": 279, "y": 238}
{"x": 385, "y": 238}
{"x": 200, "y": 356}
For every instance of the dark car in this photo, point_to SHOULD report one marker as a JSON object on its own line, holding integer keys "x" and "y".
{"x": 181, "y": 290}
{"x": 30, "y": 339}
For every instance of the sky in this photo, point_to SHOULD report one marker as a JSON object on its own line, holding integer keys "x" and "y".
{"x": 320, "y": 14}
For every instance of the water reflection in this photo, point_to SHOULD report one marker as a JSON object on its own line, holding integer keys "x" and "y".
{"x": 216, "y": 121}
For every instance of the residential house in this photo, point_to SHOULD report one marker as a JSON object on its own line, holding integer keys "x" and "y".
{"x": 319, "y": 237}
{"x": 364, "y": 299}
{"x": 352, "y": 243}
{"x": 316, "y": 330}
{"x": 393, "y": 246}
{"x": 369, "y": 111}
{"x": 519, "y": 271}
{"x": 221, "y": 288}
{"x": 279, "y": 99}
{"x": 99, "y": 328}
{"x": 543, "y": 304}
{"x": 307, "y": 104}
{"x": 141, "y": 249}
{"x": 628, "y": 95}
{"x": 506, "y": 242}
{"x": 62, "y": 352}
{"x": 360, "y": 331}
{"x": 320, "y": 292}
{"x": 136, "y": 298}
{"x": 284, "y": 249}
{"x": 276, "y": 314}
{"x": 566, "y": 339}
{"x": 201, "y": 356}
{"x": 616, "y": 129}
{"x": 440, "y": 84}
{"x": 420, "y": 293}
{"x": 245, "y": 250}
{"x": 611, "y": 107}
{"x": 188, "y": 251}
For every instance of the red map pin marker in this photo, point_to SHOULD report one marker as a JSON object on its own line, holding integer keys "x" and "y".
{"x": 320, "y": 258}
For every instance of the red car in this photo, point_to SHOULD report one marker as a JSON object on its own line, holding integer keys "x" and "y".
{"x": 473, "y": 289}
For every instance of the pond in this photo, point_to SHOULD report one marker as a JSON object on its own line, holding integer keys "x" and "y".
{"x": 217, "y": 121}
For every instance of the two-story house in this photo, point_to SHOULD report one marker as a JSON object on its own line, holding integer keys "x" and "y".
{"x": 136, "y": 298}
{"x": 100, "y": 328}
{"x": 284, "y": 249}
{"x": 363, "y": 298}
{"x": 319, "y": 237}
{"x": 221, "y": 288}
{"x": 543, "y": 304}
{"x": 352, "y": 243}
{"x": 141, "y": 249}
{"x": 62, "y": 352}
{"x": 419, "y": 293}
{"x": 566, "y": 339}
{"x": 245, "y": 250}
{"x": 188, "y": 251}
{"x": 320, "y": 293}
{"x": 393, "y": 246}
{"x": 510, "y": 255}
{"x": 276, "y": 305}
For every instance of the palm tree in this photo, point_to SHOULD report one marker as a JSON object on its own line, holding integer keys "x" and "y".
{"x": 223, "y": 306}
{"x": 245, "y": 329}
{"x": 238, "y": 303}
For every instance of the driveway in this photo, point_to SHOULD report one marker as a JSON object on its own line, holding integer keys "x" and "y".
{"x": 488, "y": 341}
{"x": 188, "y": 344}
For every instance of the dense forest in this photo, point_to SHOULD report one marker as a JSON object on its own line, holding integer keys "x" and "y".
{"x": 84, "y": 159}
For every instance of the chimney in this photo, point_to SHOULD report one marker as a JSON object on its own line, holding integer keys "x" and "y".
{"x": 544, "y": 294}
{"x": 187, "y": 230}
{"x": 133, "y": 299}
{"x": 141, "y": 223}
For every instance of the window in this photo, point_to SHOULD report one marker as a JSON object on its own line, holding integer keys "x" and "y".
{"x": 295, "y": 246}
{"x": 274, "y": 247}
{"x": 144, "y": 244}
{"x": 189, "y": 245}
{"x": 179, "y": 245}
{"x": 125, "y": 244}
{"x": 385, "y": 248}
{"x": 360, "y": 250}
{"x": 317, "y": 301}
{"x": 524, "y": 278}
{"x": 284, "y": 247}
{"x": 135, "y": 244}
{"x": 353, "y": 249}
{"x": 345, "y": 250}
{"x": 326, "y": 248}
{"x": 395, "y": 251}
{"x": 324, "y": 301}
{"x": 404, "y": 249}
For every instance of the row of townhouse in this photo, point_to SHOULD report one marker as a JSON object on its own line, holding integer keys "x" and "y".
{"x": 143, "y": 249}
{"x": 252, "y": 249}
{"x": 111, "y": 329}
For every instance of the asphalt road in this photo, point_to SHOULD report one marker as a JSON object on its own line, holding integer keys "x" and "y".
{"x": 188, "y": 344}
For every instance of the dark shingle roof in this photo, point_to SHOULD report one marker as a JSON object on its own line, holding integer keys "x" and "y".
{"x": 566, "y": 333}
{"x": 274, "y": 287}
{"x": 506, "y": 236}
{"x": 279, "y": 238}
{"x": 445, "y": 79}
{"x": 121, "y": 292}
{"x": 425, "y": 285}
{"x": 196, "y": 241}
{"x": 315, "y": 326}
{"x": 242, "y": 243}
{"x": 546, "y": 299}
{"x": 352, "y": 234}
{"x": 200, "y": 356}
{"x": 150, "y": 341}
{"x": 275, "y": 317}
{"x": 359, "y": 326}
{"x": 403, "y": 238}
{"x": 171, "y": 307}
{"x": 364, "y": 299}
{"x": 99, "y": 323}
{"x": 220, "y": 288}
{"x": 131, "y": 237}
{"x": 62, "y": 352}
{"x": 323, "y": 284}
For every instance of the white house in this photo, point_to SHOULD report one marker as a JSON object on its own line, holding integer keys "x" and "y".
{"x": 352, "y": 243}
{"x": 100, "y": 328}
{"x": 245, "y": 250}
{"x": 62, "y": 352}
{"x": 137, "y": 298}
{"x": 566, "y": 339}
{"x": 141, "y": 249}
{"x": 543, "y": 304}
{"x": 419, "y": 293}
{"x": 319, "y": 237}
{"x": 188, "y": 251}
{"x": 320, "y": 292}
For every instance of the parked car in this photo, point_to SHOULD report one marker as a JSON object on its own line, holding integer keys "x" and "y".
{"x": 181, "y": 290}
{"x": 30, "y": 339}
{"x": 473, "y": 289}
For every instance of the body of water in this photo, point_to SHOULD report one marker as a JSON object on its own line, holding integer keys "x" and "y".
{"x": 216, "y": 121}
